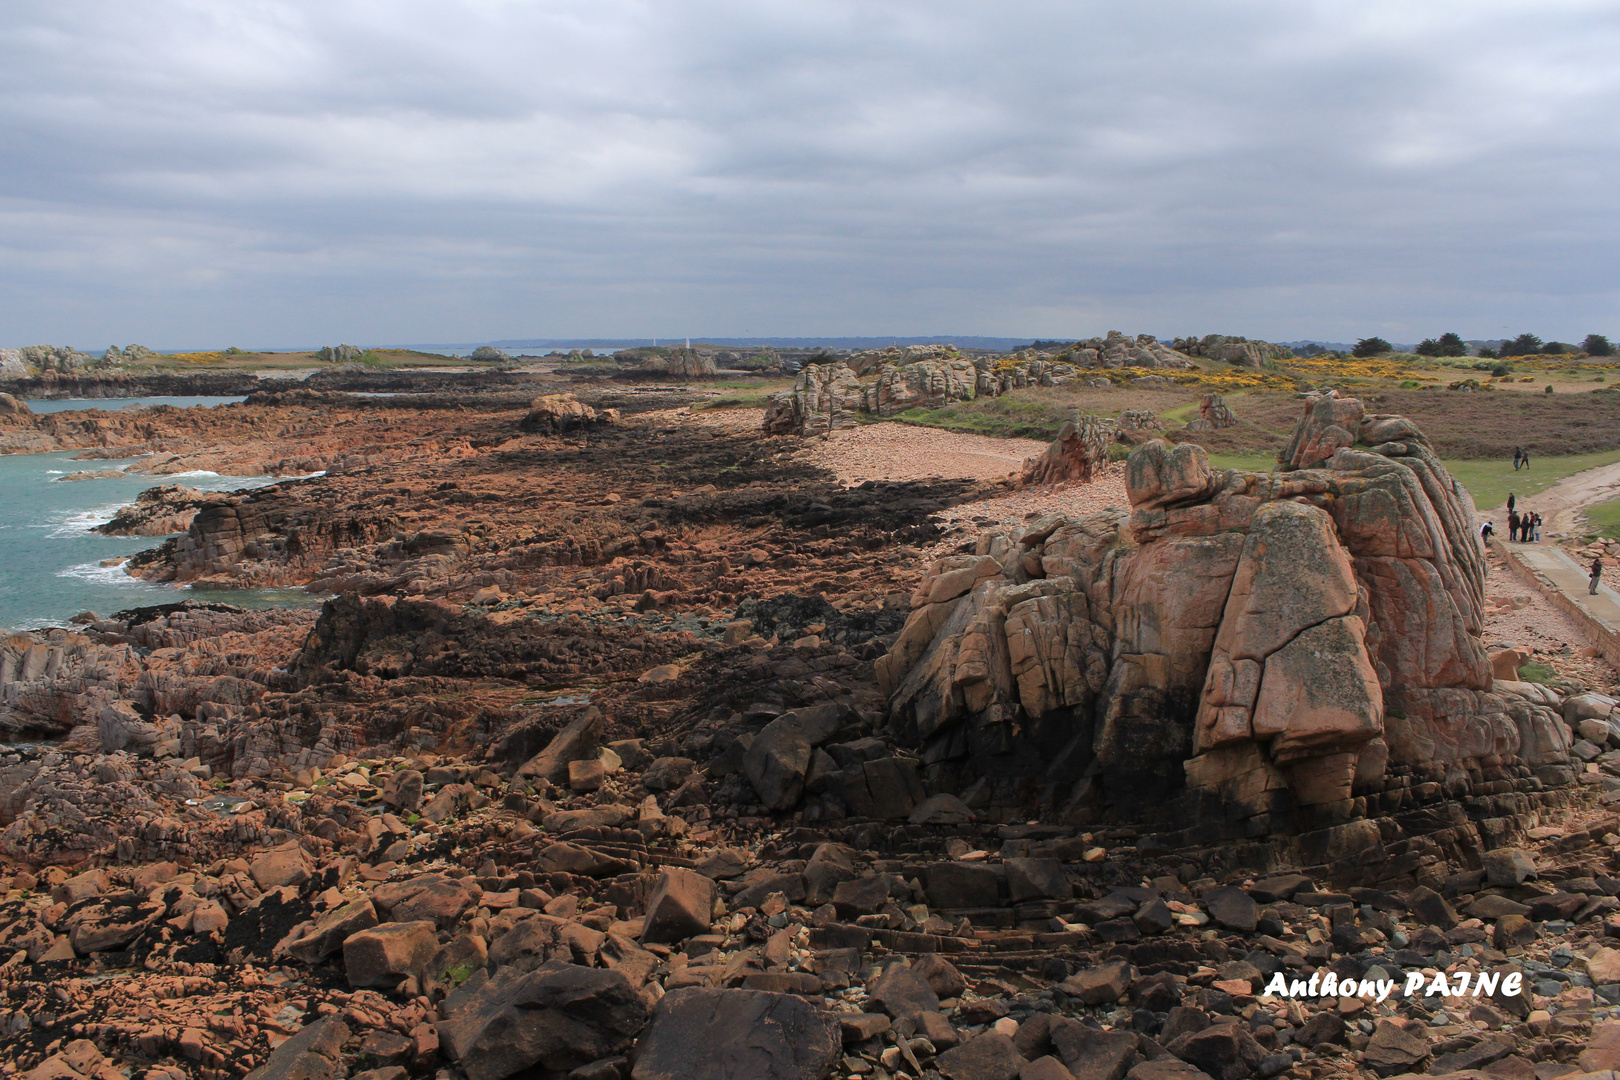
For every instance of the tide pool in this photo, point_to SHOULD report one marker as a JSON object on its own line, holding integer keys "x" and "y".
{"x": 55, "y": 405}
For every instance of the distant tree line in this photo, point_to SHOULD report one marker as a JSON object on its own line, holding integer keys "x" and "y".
{"x": 1451, "y": 344}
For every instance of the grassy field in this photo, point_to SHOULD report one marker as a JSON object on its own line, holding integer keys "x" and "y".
{"x": 1490, "y": 482}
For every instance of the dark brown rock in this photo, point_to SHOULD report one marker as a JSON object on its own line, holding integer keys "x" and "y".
{"x": 704, "y": 1034}
{"x": 682, "y": 905}
{"x": 558, "y": 1017}
{"x": 386, "y": 954}
{"x": 990, "y": 1056}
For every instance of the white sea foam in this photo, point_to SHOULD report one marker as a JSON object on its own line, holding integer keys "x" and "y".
{"x": 97, "y": 574}
{"x": 78, "y": 522}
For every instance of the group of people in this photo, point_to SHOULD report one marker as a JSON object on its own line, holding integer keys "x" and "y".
{"x": 1521, "y": 456}
{"x": 1525, "y": 527}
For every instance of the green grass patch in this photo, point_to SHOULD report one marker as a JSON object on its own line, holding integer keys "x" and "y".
{"x": 1490, "y": 482}
{"x": 1534, "y": 672}
{"x": 1603, "y": 519}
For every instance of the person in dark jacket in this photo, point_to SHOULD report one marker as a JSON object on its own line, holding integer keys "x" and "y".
{"x": 1597, "y": 572}
{"x": 1513, "y": 526}
{"x": 1511, "y": 499}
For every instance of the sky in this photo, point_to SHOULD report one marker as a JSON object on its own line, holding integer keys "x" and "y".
{"x": 204, "y": 173}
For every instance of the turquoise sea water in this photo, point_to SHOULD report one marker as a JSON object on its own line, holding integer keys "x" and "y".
{"x": 50, "y": 560}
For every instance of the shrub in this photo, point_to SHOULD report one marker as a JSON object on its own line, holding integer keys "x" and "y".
{"x": 1556, "y": 348}
{"x": 1371, "y": 346}
{"x": 1487, "y": 353}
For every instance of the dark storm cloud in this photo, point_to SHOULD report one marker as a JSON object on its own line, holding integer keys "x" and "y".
{"x": 286, "y": 173}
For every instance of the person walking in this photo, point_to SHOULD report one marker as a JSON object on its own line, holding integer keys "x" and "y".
{"x": 1597, "y": 572}
{"x": 1511, "y": 497}
{"x": 1517, "y": 454}
{"x": 1525, "y": 459}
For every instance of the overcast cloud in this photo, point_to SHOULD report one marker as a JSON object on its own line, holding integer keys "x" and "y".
{"x": 260, "y": 173}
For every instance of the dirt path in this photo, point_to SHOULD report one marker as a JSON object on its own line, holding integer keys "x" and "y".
{"x": 1560, "y": 504}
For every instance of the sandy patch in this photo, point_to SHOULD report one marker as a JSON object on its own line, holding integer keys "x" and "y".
{"x": 890, "y": 451}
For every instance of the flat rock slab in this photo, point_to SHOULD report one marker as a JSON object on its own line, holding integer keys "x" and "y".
{"x": 706, "y": 1034}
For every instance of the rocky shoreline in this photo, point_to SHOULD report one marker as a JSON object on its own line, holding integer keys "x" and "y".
{"x": 633, "y": 745}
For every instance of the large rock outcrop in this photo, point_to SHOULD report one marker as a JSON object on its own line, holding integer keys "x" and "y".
{"x": 1118, "y": 350}
{"x": 1234, "y": 350}
{"x": 160, "y": 511}
{"x": 1273, "y": 642}
{"x": 925, "y": 384}
{"x": 825, "y": 397}
{"x": 683, "y": 362}
{"x": 11, "y": 365}
{"x": 828, "y": 397}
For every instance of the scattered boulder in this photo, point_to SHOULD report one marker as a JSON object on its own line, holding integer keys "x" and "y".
{"x": 578, "y": 741}
{"x": 681, "y": 905}
{"x": 383, "y": 955}
{"x": 559, "y": 1017}
{"x": 1077, "y": 454}
{"x": 557, "y": 414}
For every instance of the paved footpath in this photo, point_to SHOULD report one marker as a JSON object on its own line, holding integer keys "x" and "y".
{"x": 1553, "y": 565}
